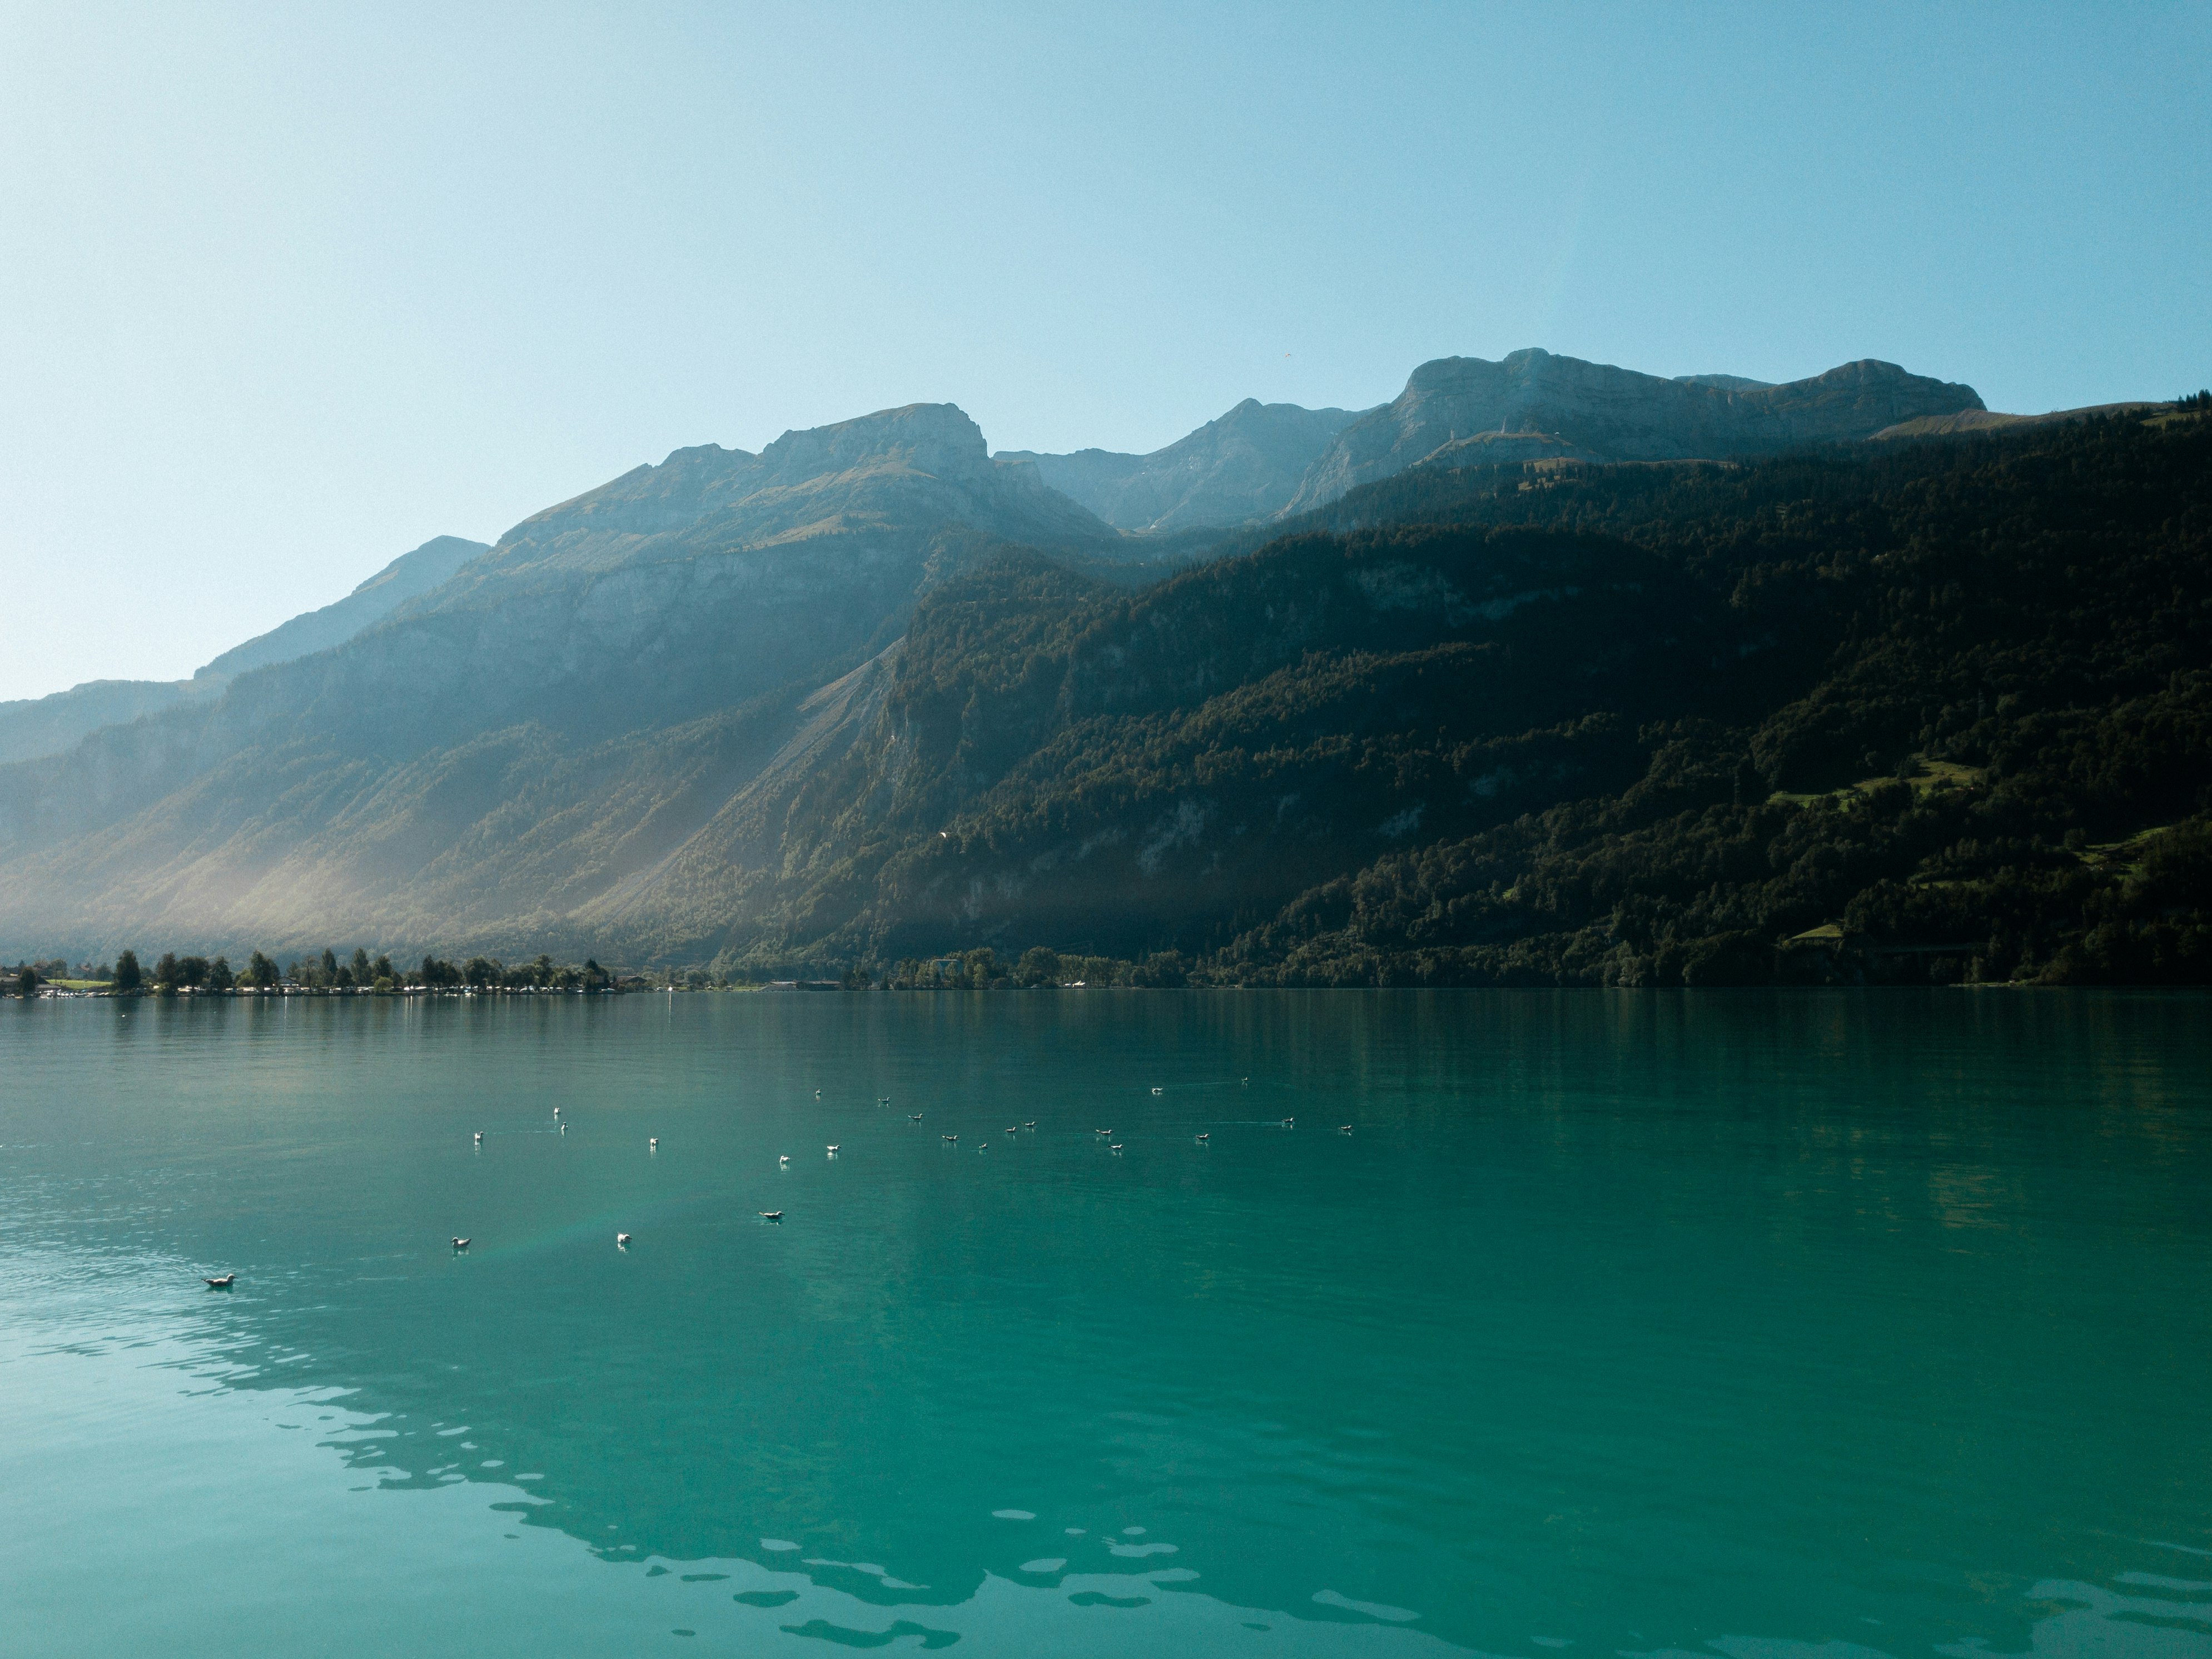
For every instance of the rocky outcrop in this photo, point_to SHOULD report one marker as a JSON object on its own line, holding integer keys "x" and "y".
{"x": 1605, "y": 413}
{"x": 1244, "y": 467}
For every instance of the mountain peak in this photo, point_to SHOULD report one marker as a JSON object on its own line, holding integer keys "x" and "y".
{"x": 1609, "y": 413}
{"x": 938, "y": 439}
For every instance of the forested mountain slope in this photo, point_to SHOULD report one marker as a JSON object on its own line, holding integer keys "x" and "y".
{"x": 1605, "y": 724}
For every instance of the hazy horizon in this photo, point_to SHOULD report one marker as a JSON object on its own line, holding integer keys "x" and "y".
{"x": 289, "y": 295}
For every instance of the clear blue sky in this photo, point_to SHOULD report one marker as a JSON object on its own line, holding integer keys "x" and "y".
{"x": 286, "y": 291}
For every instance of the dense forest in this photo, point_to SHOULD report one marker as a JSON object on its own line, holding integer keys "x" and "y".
{"x": 1933, "y": 710}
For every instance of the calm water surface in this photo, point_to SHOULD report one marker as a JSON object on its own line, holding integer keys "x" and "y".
{"x": 1732, "y": 1324}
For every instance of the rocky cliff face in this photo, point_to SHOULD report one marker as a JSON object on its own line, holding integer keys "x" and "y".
{"x": 1594, "y": 410}
{"x": 1244, "y": 467}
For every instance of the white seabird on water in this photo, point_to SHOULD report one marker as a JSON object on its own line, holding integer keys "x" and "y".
{"x": 621, "y": 1241}
{"x": 833, "y": 1149}
{"x": 1203, "y": 1136}
{"x": 480, "y": 1137}
{"x": 771, "y": 1215}
{"x": 222, "y": 1283}
{"x": 653, "y": 1143}
{"x": 460, "y": 1243}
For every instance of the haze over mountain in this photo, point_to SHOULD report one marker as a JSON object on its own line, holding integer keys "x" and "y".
{"x": 1245, "y": 466}
{"x": 48, "y": 726}
{"x": 410, "y": 573}
{"x": 874, "y": 690}
{"x": 449, "y": 751}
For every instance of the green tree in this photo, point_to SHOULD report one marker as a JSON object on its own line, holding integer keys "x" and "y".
{"x": 164, "y": 971}
{"x": 363, "y": 971}
{"x": 27, "y": 982}
{"x": 1038, "y": 966}
{"x": 127, "y": 976}
{"x": 219, "y": 977}
{"x": 330, "y": 965}
{"x": 260, "y": 972}
{"x": 382, "y": 968}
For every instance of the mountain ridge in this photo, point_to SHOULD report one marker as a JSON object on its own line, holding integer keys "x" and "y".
{"x": 1239, "y": 466}
{"x": 35, "y": 727}
{"x": 1598, "y": 411}
{"x": 876, "y": 691}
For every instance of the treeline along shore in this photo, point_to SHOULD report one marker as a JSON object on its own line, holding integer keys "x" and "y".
{"x": 197, "y": 975}
{"x": 172, "y": 975}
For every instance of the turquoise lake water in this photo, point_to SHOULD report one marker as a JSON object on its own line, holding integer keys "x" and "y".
{"x": 1643, "y": 1323}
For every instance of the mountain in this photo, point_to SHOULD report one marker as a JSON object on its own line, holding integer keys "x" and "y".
{"x": 1245, "y": 466}
{"x": 1936, "y": 711}
{"x": 1940, "y": 707}
{"x": 504, "y": 748}
{"x": 1453, "y": 409}
{"x": 410, "y": 574}
{"x": 51, "y": 725}
{"x": 32, "y": 727}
